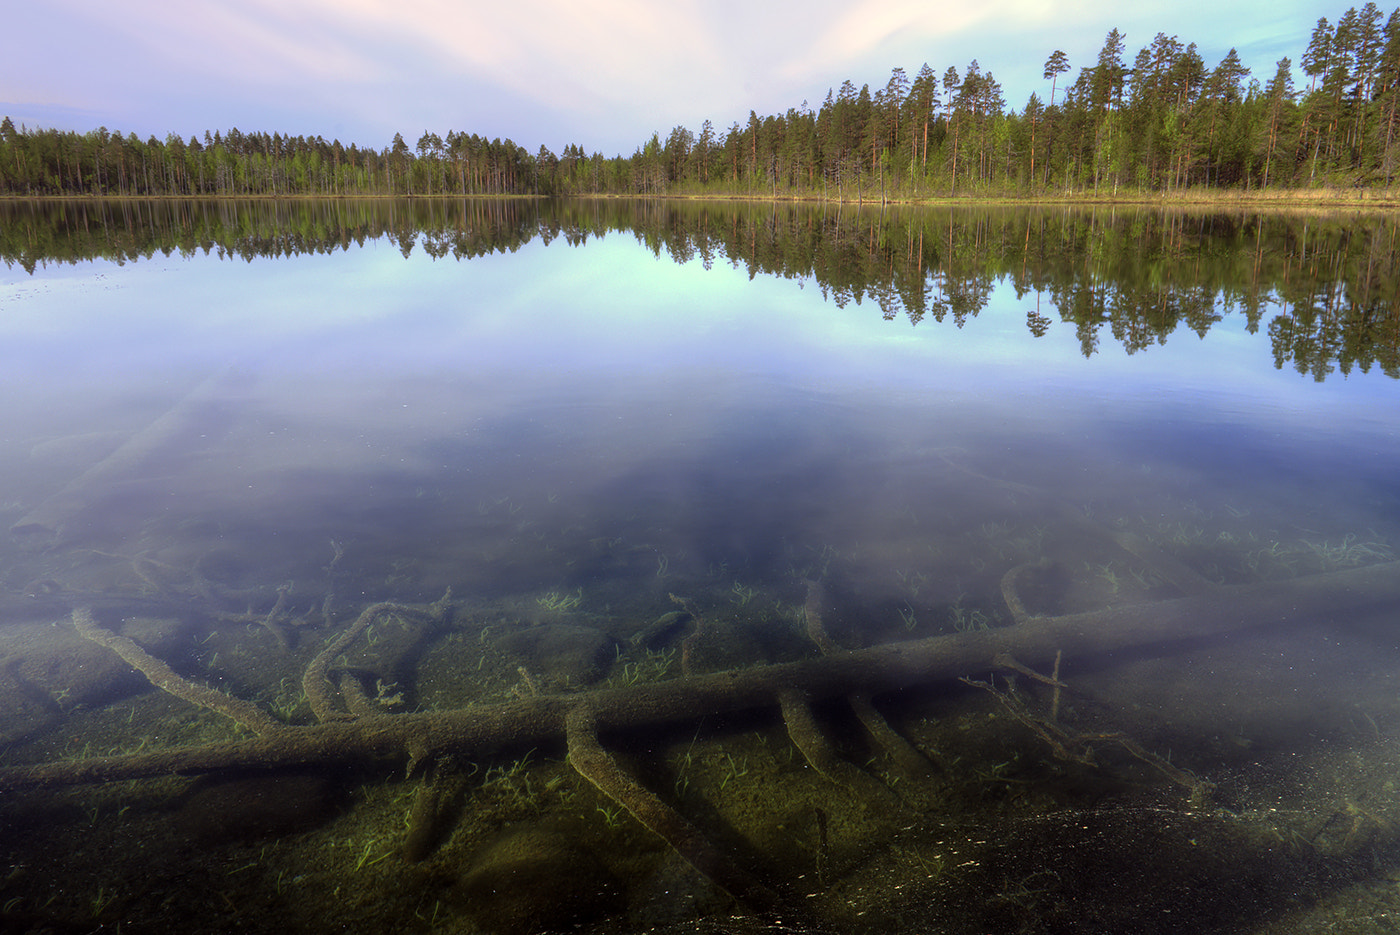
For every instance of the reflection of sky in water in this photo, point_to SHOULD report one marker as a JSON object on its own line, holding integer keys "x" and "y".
{"x": 592, "y": 309}
{"x": 602, "y": 427}
{"x": 609, "y": 374}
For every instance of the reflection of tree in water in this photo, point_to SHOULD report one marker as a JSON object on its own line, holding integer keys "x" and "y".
{"x": 1344, "y": 315}
{"x": 36, "y": 232}
{"x": 1330, "y": 284}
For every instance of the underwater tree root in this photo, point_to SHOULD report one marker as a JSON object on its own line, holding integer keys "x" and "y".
{"x": 595, "y": 764}
{"x": 316, "y": 680}
{"x": 425, "y": 816}
{"x": 1075, "y": 747}
{"x": 409, "y": 738}
{"x": 802, "y": 728}
{"x": 165, "y": 678}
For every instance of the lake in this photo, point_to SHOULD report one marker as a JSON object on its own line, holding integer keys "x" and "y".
{"x": 606, "y": 566}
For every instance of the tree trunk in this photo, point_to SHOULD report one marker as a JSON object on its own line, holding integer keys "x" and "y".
{"x": 1344, "y": 596}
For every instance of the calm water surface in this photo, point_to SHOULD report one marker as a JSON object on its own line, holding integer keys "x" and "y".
{"x": 606, "y": 446}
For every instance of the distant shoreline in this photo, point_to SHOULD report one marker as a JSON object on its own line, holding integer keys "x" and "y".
{"x": 1354, "y": 199}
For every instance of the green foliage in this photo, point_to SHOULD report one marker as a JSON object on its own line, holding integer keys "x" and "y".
{"x": 43, "y": 162}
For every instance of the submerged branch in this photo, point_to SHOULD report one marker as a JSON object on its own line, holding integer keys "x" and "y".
{"x": 541, "y": 718}
{"x": 595, "y": 764}
{"x": 165, "y": 678}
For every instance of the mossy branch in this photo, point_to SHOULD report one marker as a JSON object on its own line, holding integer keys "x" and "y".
{"x": 165, "y": 678}
{"x": 1319, "y": 599}
{"x": 595, "y": 764}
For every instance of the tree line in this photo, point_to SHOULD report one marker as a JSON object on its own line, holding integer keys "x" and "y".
{"x": 1164, "y": 122}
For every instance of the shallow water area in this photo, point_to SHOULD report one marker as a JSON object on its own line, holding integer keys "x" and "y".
{"x": 819, "y": 569}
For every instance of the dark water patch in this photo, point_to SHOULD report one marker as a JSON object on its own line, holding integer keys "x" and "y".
{"x": 229, "y": 810}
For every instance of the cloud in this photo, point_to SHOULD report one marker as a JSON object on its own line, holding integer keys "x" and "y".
{"x": 871, "y": 27}
{"x": 864, "y": 28}
{"x": 584, "y": 56}
{"x": 253, "y": 42}
{"x": 603, "y": 73}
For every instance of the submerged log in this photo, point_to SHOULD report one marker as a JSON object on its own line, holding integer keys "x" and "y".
{"x": 596, "y": 765}
{"x": 476, "y": 730}
{"x": 165, "y": 678}
{"x": 899, "y": 750}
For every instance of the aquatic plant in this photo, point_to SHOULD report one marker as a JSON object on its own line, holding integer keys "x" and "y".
{"x": 912, "y": 581}
{"x": 1349, "y": 552}
{"x": 514, "y": 786}
{"x": 741, "y": 595}
{"x": 967, "y": 620}
{"x": 366, "y": 860}
{"x": 1105, "y": 572}
{"x": 731, "y": 770}
{"x": 906, "y": 615}
{"x": 1277, "y": 558}
{"x": 558, "y": 602}
{"x": 101, "y": 901}
{"x": 652, "y": 665}
{"x": 288, "y": 703}
{"x": 816, "y": 567}
{"x": 915, "y": 859}
{"x": 612, "y": 817}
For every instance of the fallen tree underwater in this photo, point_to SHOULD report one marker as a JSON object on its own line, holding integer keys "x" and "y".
{"x": 413, "y": 737}
{"x": 352, "y": 729}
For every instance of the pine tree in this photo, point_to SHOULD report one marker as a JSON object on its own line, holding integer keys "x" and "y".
{"x": 1278, "y": 95}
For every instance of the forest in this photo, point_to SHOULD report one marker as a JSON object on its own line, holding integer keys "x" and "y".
{"x": 1163, "y": 122}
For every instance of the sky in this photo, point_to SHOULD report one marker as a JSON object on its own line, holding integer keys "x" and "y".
{"x": 603, "y": 74}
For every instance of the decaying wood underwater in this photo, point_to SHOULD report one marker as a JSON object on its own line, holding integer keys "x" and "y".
{"x": 413, "y": 740}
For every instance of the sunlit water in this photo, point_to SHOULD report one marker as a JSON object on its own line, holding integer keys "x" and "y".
{"x": 589, "y": 438}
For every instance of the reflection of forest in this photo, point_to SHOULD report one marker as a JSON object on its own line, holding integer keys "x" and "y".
{"x": 1330, "y": 285}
